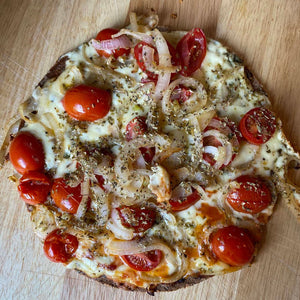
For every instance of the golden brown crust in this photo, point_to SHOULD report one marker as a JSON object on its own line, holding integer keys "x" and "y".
{"x": 256, "y": 85}
{"x": 53, "y": 73}
{"x": 161, "y": 287}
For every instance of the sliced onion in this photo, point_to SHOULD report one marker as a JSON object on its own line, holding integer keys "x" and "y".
{"x": 191, "y": 121}
{"x": 118, "y": 247}
{"x": 181, "y": 174}
{"x": 43, "y": 219}
{"x": 148, "y": 57}
{"x": 201, "y": 191}
{"x": 199, "y": 94}
{"x": 182, "y": 191}
{"x": 100, "y": 204}
{"x": 85, "y": 186}
{"x": 159, "y": 184}
{"x": 111, "y": 44}
{"x": 12, "y": 128}
{"x": 140, "y": 162}
{"x": 151, "y": 21}
{"x": 164, "y": 62}
{"x": 133, "y": 21}
{"x": 162, "y": 49}
{"x": 162, "y": 84}
{"x": 224, "y": 154}
{"x": 146, "y": 88}
{"x": 150, "y": 65}
{"x": 218, "y": 124}
{"x": 163, "y": 155}
{"x": 137, "y": 35}
{"x": 181, "y": 270}
{"x": 55, "y": 126}
{"x": 229, "y": 153}
{"x": 204, "y": 118}
{"x": 144, "y": 172}
{"x": 26, "y": 108}
{"x": 211, "y": 150}
{"x": 116, "y": 227}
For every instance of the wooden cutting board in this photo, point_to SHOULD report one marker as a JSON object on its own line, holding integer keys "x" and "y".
{"x": 33, "y": 34}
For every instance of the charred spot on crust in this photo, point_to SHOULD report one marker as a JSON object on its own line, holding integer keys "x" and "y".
{"x": 55, "y": 71}
{"x": 254, "y": 82}
{"x": 161, "y": 287}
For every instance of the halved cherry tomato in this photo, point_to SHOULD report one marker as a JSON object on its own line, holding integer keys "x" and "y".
{"x": 87, "y": 103}
{"x": 181, "y": 94}
{"x": 251, "y": 197}
{"x": 139, "y": 218}
{"x": 148, "y": 153}
{"x": 230, "y": 130}
{"x": 175, "y": 59}
{"x": 182, "y": 204}
{"x": 34, "y": 187}
{"x": 136, "y": 127}
{"x": 59, "y": 246}
{"x": 210, "y": 141}
{"x": 138, "y": 54}
{"x": 106, "y": 34}
{"x": 258, "y": 125}
{"x": 144, "y": 262}
{"x": 192, "y": 50}
{"x": 100, "y": 180}
{"x": 67, "y": 198}
{"x": 26, "y": 153}
{"x": 233, "y": 245}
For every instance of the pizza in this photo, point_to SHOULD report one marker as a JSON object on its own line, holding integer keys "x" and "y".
{"x": 150, "y": 159}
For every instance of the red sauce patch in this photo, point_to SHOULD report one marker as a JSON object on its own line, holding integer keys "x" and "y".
{"x": 211, "y": 213}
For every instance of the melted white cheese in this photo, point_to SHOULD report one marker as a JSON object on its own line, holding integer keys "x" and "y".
{"x": 229, "y": 93}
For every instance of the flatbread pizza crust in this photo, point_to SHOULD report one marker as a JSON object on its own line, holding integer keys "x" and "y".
{"x": 54, "y": 72}
{"x": 162, "y": 287}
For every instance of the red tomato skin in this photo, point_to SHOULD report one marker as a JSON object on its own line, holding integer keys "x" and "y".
{"x": 212, "y": 141}
{"x": 60, "y": 247}
{"x": 135, "y": 128}
{"x": 34, "y": 187}
{"x": 101, "y": 181}
{"x": 148, "y": 153}
{"x": 175, "y": 59}
{"x": 143, "y": 262}
{"x": 233, "y": 246}
{"x": 185, "y": 203}
{"x": 256, "y": 120}
{"x": 139, "y": 218}
{"x": 87, "y": 103}
{"x": 138, "y": 54}
{"x": 26, "y": 153}
{"x": 192, "y": 50}
{"x": 181, "y": 94}
{"x": 67, "y": 198}
{"x": 106, "y": 34}
{"x": 252, "y": 196}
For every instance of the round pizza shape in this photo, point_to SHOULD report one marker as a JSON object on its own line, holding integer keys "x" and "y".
{"x": 150, "y": 160}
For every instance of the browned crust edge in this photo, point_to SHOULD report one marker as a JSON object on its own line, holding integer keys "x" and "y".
{"x": 256, "y": 85}
{"x": 53, "y": 73}
{"x": 161, "y": 287}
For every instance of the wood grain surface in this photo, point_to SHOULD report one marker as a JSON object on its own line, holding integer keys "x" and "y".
{"x": 34, "y": 33}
